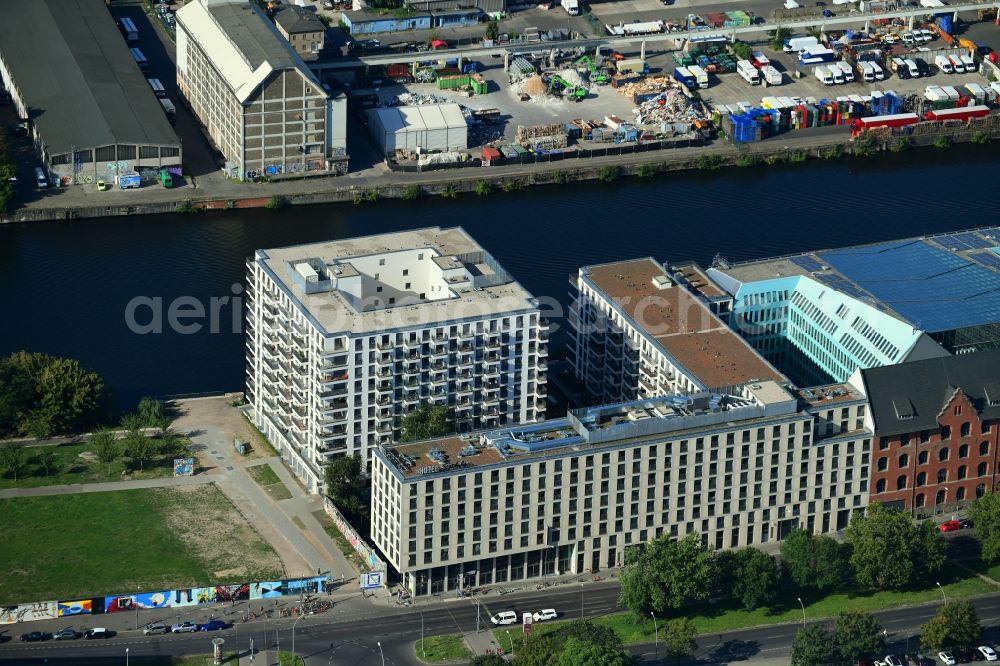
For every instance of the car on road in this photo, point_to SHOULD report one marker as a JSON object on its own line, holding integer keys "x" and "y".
{"x": 212, "y": 625}
{"x": 950, "y": 525}
{"x": 184, "y": 628}
{"x": 545, "y": 614}
{"x": 504, "y": 617}
{"x": 102, "y": 186}
{"x": 97, "y": 632}
{"x": 35, "y": 636}
{"x": 67, "y": 634}
{"x": 947, "y": 658}
{"x": 988, "y": 653}
{"x": 154, "y": 628}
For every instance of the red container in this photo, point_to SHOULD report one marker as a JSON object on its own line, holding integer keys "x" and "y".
{"x": 898, "y": 120}
{"x": 490, "y": 153}
{"x": 963, "y": 114}
{"x": 397, "y": 70}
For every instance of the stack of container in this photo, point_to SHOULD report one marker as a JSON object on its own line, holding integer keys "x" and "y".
{"x": 478, "y": 83}
{"x": 716, "y": 19}
{"x": 453, "y": 81}
{"x": 737, "y": 19}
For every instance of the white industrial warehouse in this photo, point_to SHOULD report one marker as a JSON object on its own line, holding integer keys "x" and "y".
{"x": 419, "y": 129}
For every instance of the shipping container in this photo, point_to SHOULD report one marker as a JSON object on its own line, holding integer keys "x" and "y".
{"x": 491, "y": 154}
{"x": 897, "y": 120}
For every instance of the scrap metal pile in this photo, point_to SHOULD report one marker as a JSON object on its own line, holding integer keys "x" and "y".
{"x": 663, "y": 102}
{"x": 542, "y": 137}
{"x": 414, "y": 99}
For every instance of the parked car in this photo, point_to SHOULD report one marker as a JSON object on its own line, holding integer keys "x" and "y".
{"x": 966, "y": 523}
{"x": 18, "y": 130}
{"x": 184, "y": 628}
{"x": 950, "y": 525}
{"x": 545, "y": 614}
{"x": 102, "y": 186}
{"x": 504, "y": 617}
{"x": 987, "y": 652}
{"x": 947, "y": 658}
{"x": 212, "y": 625}
{"x": 35, "y": 636}
{"x": 154, "y": 628}
{"x": 97, "y": 632}
{"x": 67, "y": 634}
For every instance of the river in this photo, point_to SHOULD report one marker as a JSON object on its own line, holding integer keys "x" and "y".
{"x": 65, "y": 286}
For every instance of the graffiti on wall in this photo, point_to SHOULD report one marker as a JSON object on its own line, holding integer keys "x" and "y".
{"x": 372, "y": 559}
{"x": 191, "y": 596}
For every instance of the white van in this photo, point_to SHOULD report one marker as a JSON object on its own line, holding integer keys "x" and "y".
{"x": 944, "y": 64}
{"x": 749, "y": 73}
{"x": 970, "y": 64}
{"x": 879, "y": 72}
{"x": 504, "y": 617}
{"x": 157, "y": 87}
{"x": 41, "y": 182}
{"x": 838, "y": 76}
{"x": 867, "y": 71}
{"x": 956, "y": 64}
{"x": 912, "y": 66}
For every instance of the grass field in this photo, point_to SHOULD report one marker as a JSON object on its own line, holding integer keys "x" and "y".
{"x": 437, "y": 649}
{"x": 71, "y": 467}
{"x": 268, "y": 479}
{"x": 708, "y": 620}
{"x": 75, "y": 546}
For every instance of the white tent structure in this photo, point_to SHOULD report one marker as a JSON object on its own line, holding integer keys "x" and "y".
{"x": 424, "y": 128}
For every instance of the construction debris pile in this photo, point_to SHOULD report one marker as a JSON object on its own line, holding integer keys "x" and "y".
{"x": 443, "y": 158}
{"x": 549, "y": 86}
{"x": 645, "y": 89}
{"x": 670, "y": 107}
{"x": 415, "y": 99}
{"x": 542, "y": 137}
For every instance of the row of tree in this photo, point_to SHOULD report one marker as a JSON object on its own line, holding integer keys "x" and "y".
{"x": 6, "y": 172}
{"x": 131, "y": 444}
{"x": 43, "y": 395}
{"x": 884, "y": 550}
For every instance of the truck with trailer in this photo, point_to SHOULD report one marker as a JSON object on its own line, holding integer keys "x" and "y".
{"x": 749, "y": 73}
{"x": 963, "y": 113}
{"x": 771, "y": 75}
{"x": 758, "y": 59}
{"x": 169, "y": 109}
{"x": 700, "y": 75}
{"x": 157, "y": 87}
{"x": 632, "y": 65}
{"x": 572, "y": 7}
{"x": 816, "y": 54}
{"x": 824, "y": 75}
{"x": 139, "y": 58}
{"x": 684, "y": 76}
{"x": 128, "y": 29}
{"x": 128, "y": 181}
{"x": 895, "y": 120}
{"x": 797, "y": 44}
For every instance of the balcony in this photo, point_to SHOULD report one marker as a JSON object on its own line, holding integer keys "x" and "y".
{"x": 383, "y": 428}
{"x": 384, "y": 400}
{"x": 411, "y": 397}
{"x": 385, "y": 360}
{"x": 541, "y": 391}
{"x": 339, "y": 361}
{"x": 413, "y": 344}
{"x": 334, "y": 392}
{"x": 647, "y": 383}
{"x": 384, "y": 386}
{"x": 439, "y": 352}
{"x": 328, "y": 379}
{"x": 439, "y": 378}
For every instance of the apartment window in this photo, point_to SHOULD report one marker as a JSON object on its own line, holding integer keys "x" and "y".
{"x": 943, "y": 454}
{"x": 961, "y": 472}
{"x": 922, "y": 458}
{"x": 406, "y": 271}
{"x": 942, "y": 475}
{"x": 982, "y": 469}
{"x": 965, "y": 429}
{"x": 984, "y": 448}
{"x": 920, "y": 500}
{"x": 921, "y": 479}
{"x": 883, "y": 464}
{"x": 904, "y": 460}
{"x": 901, "y": 483}
{"x": 880, "y": 486}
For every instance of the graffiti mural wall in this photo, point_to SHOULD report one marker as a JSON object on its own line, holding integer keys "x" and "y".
{"x": 191, "y": 596}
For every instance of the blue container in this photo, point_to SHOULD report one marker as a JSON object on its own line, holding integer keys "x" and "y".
{"x": 470, "y": 67}
{"x": 944, "y": 22}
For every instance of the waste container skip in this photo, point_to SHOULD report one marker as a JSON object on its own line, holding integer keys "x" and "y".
{"x": 241, "y": 446}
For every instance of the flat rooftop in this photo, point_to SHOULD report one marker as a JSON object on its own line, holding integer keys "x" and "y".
{"x": 592, "y": 427}
{"x": 934, "y": 283}
{"x": 697, "y": 280}
{"x": 432, "y": 275}
{"x": 817, "y": 397}
{"x": 680, "y": 323}
{"x": 77, "y": 77}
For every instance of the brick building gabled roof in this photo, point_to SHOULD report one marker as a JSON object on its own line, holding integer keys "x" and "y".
{"x": 909, "y": 397}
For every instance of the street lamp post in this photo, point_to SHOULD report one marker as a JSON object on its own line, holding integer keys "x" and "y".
{"x": 381, "y": 654}
{"x": 477, "y": 616}
{"x": 656, "y": 638}
{"x": 293, "y": 634}
{"x": 581, "y": 601}
{"x": 422, "y": 651}
{"x": 126, "y": 656}
{"x": 943, "y": 595}
{"x": 803, "y": 610}
{"x": 511, "y": 644}
{"x": 136, "y": 604}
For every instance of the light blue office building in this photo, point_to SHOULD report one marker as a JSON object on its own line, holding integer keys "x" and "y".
{"x": 820, "y": 315}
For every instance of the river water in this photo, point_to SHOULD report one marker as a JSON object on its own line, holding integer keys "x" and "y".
{"x": 65, "y": 286}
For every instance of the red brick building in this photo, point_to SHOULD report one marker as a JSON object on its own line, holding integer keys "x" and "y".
{"x": 937, "y": 431}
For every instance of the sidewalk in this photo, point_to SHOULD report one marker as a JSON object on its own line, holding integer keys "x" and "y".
{"x": 110, "y": 486}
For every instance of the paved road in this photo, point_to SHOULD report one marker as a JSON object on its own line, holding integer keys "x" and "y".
{"x": 350, "y": 633}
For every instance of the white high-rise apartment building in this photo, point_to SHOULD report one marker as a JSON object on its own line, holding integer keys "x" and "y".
{"x": 346, "y": 337}
{"x": 571, "y": 495}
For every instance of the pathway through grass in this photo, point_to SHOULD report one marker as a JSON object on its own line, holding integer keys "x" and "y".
{"x": 268, "y": 479}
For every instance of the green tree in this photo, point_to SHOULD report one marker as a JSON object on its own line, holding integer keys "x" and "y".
{"x": 66, "y": 397}
{"x": 172, "y": 443}
{"x": 930, "y": 551}
{"x": 858, "y": 634}
{"x": 493, "y": 30}
{"x": 344, "y": 485}
{"x": 488, "y": 660}
{"x": 579, "y": 652}
{"x": 663, "y": 574}
{"x": 741, "y": 50}
{"x": 956, "y": 625}
{"x": 107, "y": 447}
{"x": 47, "y": 458}
{"x": 16, "y": 395}
{"x": 778, "y": 37}
{"x": 425, "y": 422}
{"x": 755, "y": 579}
{"x": 547, "y": 649}
{"x": 152, "y": 413}
{"x": 134, "y": 423}
{"x": 677, "y": 636}
{"x": 813, "y": 645}
{"x": 12, "y": 459}
{"x": 985, "y": 513}
{"x": 139, "y": 449}
{"x": 885, "y": 545}
{"x": 813, "y": 561}
{"x": 537, "y": 650}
